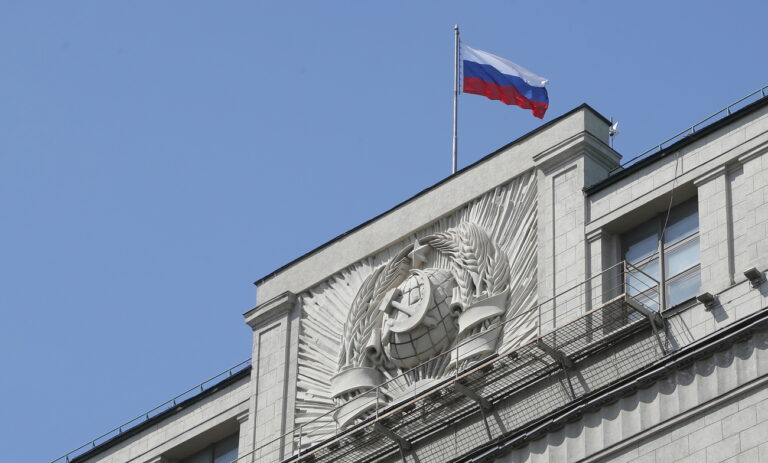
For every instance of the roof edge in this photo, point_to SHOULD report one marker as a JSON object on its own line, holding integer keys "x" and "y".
{"x": 682, "y": 143}
{"x": 436, "y": 185}
{"x": 130, "y": 432}
{"x": 678, "y": 360}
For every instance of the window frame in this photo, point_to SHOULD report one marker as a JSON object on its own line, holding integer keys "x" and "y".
{"x": 661, "y": 252}
{"x": 209, "y": 451}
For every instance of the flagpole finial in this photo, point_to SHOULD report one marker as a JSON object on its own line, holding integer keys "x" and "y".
{"x": 455, "y": 27}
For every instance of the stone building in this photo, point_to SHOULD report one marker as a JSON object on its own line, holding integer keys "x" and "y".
{"x": 547, "y": 303}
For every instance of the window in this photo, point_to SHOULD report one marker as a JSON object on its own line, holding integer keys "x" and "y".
{"x": 224, "y": 451}
{"x": 670, "y": 256}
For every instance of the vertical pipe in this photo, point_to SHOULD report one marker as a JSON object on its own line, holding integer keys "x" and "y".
{"x": 301, "y": 431}
{"x": 454, "y": 156}
{"x": 456, "y": 376}
{"x": 539, "y": 327}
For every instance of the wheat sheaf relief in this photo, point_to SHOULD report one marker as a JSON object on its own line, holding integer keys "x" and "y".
{"x": 396, "y": 318}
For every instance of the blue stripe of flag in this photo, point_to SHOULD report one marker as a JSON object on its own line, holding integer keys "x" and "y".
{"x": 489, "y": 73}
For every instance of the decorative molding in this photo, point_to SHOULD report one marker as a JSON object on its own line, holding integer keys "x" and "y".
{"x": 454, "y": 280}
{"x": 581, "y": 144}
{"x": 680, "y": 419}
{"x": 242, "y": 417}
{"x": 270, "y": 309}
{"x": 552, "y": 158}
{"x": 711, "y": 175}
{"x": 596, "y": 234}
{"x": 750, "y": 155}
{"x": 603, "y": 154}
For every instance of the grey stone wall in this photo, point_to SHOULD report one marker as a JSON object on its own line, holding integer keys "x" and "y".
{"x": 273, "y": 375}
{"x": 580, "y": 126}
{"x": 713, "y": 411}
{"x": 734, "y": 219}
{"x": 716, "y": 410}
{"x": 557, "y": 157}
{"x": 223, "y": 409}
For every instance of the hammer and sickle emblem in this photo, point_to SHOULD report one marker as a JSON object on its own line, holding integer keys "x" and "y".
{"x": 409, "y": 316}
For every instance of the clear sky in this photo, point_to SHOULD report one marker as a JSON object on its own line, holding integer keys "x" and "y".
{"x": 156, "y": 158}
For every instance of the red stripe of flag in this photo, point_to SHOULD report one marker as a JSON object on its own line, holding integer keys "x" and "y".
{"x": 508, "y": 95}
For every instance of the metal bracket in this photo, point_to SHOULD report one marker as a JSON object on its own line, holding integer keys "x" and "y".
{"x": 651, "y": 315}
{"x": 402, "y": 443}
{"x": 657, "y": 321}
{"x": 561, "y": 358}
{"x": 469, "y": 393}
{"x": 556, "y": 354}
{"x": 568, "y": 380}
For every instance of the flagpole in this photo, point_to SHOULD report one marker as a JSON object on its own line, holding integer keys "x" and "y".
{"x": 454, "y": 158}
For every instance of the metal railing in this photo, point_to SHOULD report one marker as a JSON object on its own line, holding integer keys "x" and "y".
{"x": 189, "y": 393}
{"x": 605, "y": 291}
{"x": 726, "y": 111}
{"x": 601, "y": 291}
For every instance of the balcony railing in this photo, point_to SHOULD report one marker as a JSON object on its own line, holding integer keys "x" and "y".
{"x": 572, "y": 327}
{"x": 619, "y": 303}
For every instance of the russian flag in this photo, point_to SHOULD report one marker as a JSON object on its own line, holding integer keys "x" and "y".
{"x": 499, "y": 79}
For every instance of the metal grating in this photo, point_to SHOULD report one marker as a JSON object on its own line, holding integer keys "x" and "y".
{"x": 521, "y": 386}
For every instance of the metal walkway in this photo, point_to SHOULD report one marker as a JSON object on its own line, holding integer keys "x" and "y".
{"x": 501, "y": 393}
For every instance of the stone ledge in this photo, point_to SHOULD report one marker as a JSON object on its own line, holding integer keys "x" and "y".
{"x": 440, "y": 200}
{"x": 711, "y": 175}
{"x": 272, "y": 308}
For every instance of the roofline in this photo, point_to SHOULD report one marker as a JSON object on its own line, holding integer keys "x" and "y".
{"x": 130, "y": 432}
{"x": 682, "y": 143}
{"x": 432, "y": 187}
{"x": 674, "y": 361}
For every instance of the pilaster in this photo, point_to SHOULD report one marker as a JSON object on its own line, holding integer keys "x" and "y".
{"x": 244, "y": 441}
{"x": 266, "y": 420}
{"x": 715, "y": 230}
{"x": 750, "y": 214}
{"x": 594, "y": 263}
{"x": 565, "y": 258}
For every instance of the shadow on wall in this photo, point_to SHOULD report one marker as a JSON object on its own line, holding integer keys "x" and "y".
{"x": 693, "y": 323}
{"x": 683, "y": 390}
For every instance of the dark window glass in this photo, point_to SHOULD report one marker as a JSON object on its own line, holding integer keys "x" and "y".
{"x": 683, "y": 222}
{"x": 683, "y": 288}
{"x": 680, "y": 254}
{"x": 642, "y": 242}
{"x": 682, "y": 257}
{"x": 200, "y": 457}
{"x": 649, "y": 299}
{"x": 643, "y": 278}
{"x": 224, "y": 451}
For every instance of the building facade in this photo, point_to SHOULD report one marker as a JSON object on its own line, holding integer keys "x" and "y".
{"x": 546, "y": 303}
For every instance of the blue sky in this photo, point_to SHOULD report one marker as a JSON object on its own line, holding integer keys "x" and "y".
{"x": 158, "y": 157}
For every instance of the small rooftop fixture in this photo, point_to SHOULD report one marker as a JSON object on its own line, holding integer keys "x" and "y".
{"x": 707, "y": 299}
{"x": 754, "y": 276}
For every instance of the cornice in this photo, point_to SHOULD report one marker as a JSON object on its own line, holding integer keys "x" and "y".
{"x": 711, "y": 175}
{"x": 744, "y": 158}
{"x": 595, "y": 235}
{"x": 272, "y": 308}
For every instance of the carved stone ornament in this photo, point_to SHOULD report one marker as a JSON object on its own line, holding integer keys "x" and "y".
{"x": 408, "y": 316}
{"x": 483, "y": 342}
{"x": 419, "y": 325}
{"x": 404, "y": 316}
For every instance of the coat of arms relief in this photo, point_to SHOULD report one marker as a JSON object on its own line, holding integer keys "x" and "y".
{"x": 411, "y": 314}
